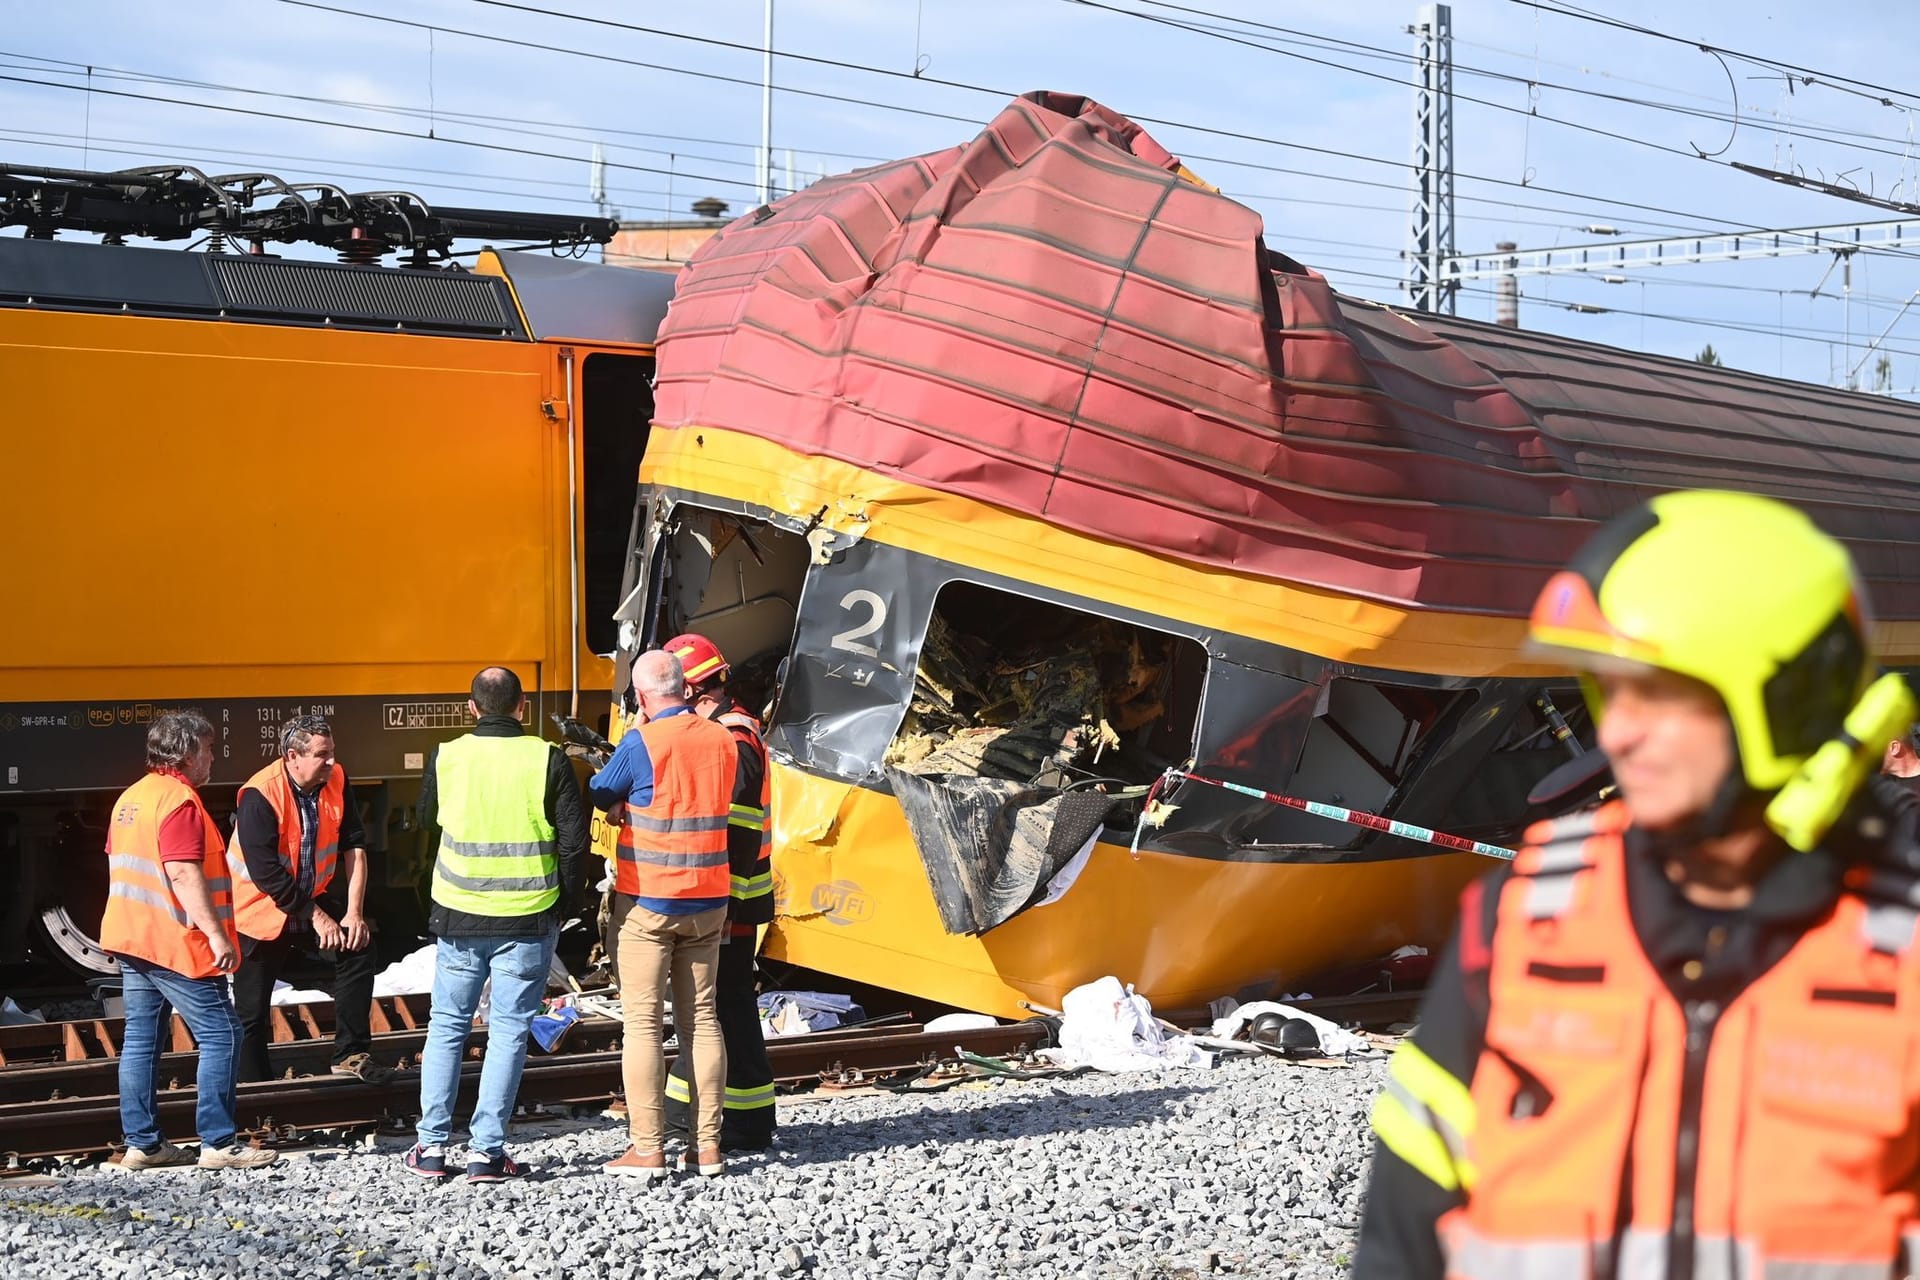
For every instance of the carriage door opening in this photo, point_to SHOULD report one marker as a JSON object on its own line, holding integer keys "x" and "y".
{"x": 616, "y": 396}
{"x": 1027, "y": 690}
{"x": 735, "y": 580}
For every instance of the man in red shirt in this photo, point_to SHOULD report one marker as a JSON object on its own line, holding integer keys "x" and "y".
{"x": 169, "y": 922}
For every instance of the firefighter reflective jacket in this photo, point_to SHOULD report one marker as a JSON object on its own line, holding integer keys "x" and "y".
{"x": 676, "y": 847}
{"x": 1610, "y": 1129}
{"x": 497, "y": 853}
{"x": 257, "y": 914}
{"x": 750, "y": 830}
{"x": 144, "y": 918}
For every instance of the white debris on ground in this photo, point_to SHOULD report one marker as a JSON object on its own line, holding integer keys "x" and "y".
{"x": 1254, "y": 1168}
{"x": 411, "y": 974}
{"x": 1335, "y": 1040}
{"x": 1107, "y": 1027}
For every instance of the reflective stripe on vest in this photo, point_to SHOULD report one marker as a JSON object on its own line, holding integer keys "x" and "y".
{"x": 751, "y": 1099}
{"x": 497, "y": 852}
{"x": 1425, "y": 1117}
{"x": 676, "y": 846}
{"x": 1642, "y": 1255}
{"x": 256, "y": 914}
{"x": 751, "y": 883}
{"x": 144, "y": 917}
{"x": 1806, "y": 1131}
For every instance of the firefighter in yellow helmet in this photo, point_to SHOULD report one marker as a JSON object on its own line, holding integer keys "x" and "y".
{"x": 1677, "y": 1037}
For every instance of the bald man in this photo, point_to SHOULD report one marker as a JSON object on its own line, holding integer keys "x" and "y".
{"x": 669, "y": 787}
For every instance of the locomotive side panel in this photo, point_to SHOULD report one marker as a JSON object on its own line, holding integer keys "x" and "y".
{"x": 259, "y": 520}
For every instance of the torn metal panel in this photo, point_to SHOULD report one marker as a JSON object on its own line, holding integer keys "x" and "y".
{"x": 989, "y": 846}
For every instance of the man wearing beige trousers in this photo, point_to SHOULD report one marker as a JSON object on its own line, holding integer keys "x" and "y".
{"x": 669, "y": 787}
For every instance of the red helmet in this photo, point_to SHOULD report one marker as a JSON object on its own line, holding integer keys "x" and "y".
{"x": 699, "y": 657}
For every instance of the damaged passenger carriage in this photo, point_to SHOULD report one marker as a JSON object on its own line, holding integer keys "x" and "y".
{"x": 1012, "y": 476}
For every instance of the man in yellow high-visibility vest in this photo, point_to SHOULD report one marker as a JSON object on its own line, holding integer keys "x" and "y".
{"x": 512, "y": 832}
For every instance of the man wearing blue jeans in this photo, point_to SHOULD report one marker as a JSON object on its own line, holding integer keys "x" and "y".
{"x": 512, "y": 833}
{"x": 169, "y": 922}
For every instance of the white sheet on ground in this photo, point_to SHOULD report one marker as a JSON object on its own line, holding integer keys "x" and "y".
{"x": 1335, "y": 1041}
{"x": 410, "y": 975}
{"x": 285, "y": 993}
{"x": 1104, "y": 1025}
{"x": 962, "y": 1022}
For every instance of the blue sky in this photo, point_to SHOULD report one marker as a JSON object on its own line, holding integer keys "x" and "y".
{"x": 1320, "y": 151}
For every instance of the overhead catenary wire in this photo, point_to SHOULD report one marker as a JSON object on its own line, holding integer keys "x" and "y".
{"x": 437, "y": 136}
{"x": 1356, "y": 48}
{"x": 917, "y": 75}
{"x": 892, "y": 106}
{"x": 1789, "y": 332}
{"x": 1208, "y": 159}
{"x": 587, "y": 133}
{"x": 843, "y": 64}
{"x": 524, "y": 151}
{"x": 1863, "y": 88}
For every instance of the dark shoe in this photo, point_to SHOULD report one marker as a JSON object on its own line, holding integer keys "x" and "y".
{"x": 428, "y": 1162}
{"x": 732, "y": 1141}
{"x": 498, "y": 1168}
{"x": 362, "y": 1067}
{"x": 651, "y": 1166}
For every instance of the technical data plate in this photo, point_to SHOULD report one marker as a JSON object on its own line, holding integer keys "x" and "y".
{"x": 73, "y": 746}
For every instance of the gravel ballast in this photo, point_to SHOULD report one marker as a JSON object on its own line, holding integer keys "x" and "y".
{"x": 1255, "y": 1167}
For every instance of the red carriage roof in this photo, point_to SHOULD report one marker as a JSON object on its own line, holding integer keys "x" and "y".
{"x": 1052, "y": 319}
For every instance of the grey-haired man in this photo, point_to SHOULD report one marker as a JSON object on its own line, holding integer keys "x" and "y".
{"x": 300, "y": 879}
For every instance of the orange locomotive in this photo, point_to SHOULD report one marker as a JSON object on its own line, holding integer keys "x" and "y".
{"x": 351, "y": 458}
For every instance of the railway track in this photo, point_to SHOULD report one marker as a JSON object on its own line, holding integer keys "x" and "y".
{"x": 72, "y": 1124}
{"x": 54, "y": 1109}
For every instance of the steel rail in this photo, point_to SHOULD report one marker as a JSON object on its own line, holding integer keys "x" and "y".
{"x": 44, "y": 1082}
{"x": 279, "y": 1109}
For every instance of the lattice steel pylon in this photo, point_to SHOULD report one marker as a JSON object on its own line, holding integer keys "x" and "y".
{"x": 1428, "y": 257}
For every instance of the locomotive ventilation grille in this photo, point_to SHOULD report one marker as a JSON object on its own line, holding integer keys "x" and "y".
{"x": 362, "y": 296}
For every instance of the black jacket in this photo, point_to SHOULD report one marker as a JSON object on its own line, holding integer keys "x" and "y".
{"x": 564, "y": 811}
{"x": 1702, "y": 954}
{"x": 744, "y": 844}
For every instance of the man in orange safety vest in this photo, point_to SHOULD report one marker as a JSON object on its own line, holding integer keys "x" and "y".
{"x": 1677, "y": 1038}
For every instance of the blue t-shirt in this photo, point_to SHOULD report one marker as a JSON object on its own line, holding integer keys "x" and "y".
{"x": 628, "y": 778}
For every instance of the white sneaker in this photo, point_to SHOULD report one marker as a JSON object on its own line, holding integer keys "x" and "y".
{"x": 237, "y": 1157}
{"x": 165, "y": 1156}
